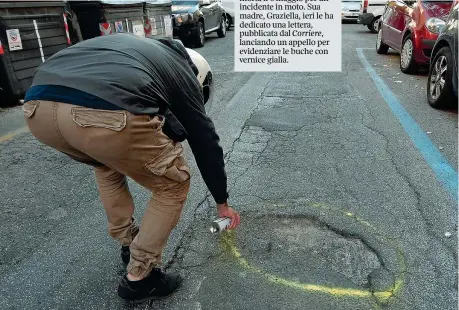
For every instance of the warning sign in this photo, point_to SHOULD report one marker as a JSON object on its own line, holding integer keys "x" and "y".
{"x": 105, "y": 29}
{"x": 119, "y": 27}
{"x": 14, "y": 39}
{"x": 138, "y": 29}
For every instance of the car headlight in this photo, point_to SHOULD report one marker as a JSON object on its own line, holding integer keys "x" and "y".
{"x": 435, "y": 25}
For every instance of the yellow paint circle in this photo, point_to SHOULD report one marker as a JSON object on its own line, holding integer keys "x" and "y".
{"x": 381, "y": 296}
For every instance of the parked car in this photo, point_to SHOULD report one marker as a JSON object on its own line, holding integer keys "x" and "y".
{"x": 411, "y": 28}
{"x": 370, "y": 13}
{"x": 228, "y": 6}
{"x": 350, "y": 9}
{"x": 442, "y": 80}
{"x": 193, "y": 20}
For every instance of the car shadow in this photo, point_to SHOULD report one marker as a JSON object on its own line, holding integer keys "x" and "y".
{"x": 349, "y": 22}
{"x": 366, "y": 32}
{"x": 451, "y": 111}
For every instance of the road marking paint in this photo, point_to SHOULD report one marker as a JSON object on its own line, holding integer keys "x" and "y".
{"x": 228, "y": 242}
{"x": 445, "y": 173}
{"x": 14, "y": 133}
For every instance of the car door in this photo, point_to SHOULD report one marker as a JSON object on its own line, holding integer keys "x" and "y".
{"x": 386, "y": 22}
{"x": 455, "y": 18}
{"x": 455, "y": 38}
{"x": 214, "y": 10}
{"x": 206, "y": 12}
{"x": 397, "y": 23}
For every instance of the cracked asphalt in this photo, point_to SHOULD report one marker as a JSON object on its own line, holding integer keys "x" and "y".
{"x": 339, "y": 209}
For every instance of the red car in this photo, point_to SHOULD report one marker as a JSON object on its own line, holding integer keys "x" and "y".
{"x": 411, "y": 28}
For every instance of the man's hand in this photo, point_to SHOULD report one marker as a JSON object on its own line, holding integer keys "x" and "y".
{"x": 226, "y": 211}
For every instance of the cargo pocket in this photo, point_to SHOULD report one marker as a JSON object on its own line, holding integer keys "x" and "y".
{"x": 113, "y": 120}
{"x": 179, "y": 172}
{"x": 169, "y": 166}
{"x": 29, "y": 108}
{"x": 159, "y": 164}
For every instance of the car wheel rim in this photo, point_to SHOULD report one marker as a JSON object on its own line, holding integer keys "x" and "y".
{"x": 378, "y": 41}
{"x": 224, "y": 26}
{"x": 407, "y": 53}
{"x": 201, "y": 34}
{"x": 375, "y": 25}
{"x": 227, "y": 22}
{"x": 438, "y": 77}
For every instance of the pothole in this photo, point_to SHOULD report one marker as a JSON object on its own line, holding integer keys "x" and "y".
{"x": 306, "y": 251}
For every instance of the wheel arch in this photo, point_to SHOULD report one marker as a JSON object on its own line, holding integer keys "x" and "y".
{"x": 439, "y": 45}
{"x": 408, "y": 32}
{"x": 444, "y": 42}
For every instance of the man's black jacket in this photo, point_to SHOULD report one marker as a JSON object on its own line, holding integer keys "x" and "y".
{"x": 145, "y": 76}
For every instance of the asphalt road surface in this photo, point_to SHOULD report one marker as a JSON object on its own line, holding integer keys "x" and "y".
{"x": 343, "y": 180}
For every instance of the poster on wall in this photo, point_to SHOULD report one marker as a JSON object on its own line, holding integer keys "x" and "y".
{"x": 14, "y": 39}
{"x": 138, "y": 29}
{"x": 168, "y": 25}
{"x": 154, "y": 31}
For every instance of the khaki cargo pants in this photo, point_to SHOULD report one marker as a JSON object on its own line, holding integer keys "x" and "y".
{"x": 119, "y": 144}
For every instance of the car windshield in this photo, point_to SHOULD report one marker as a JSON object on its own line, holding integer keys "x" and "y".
{"x": 189, "y": 2}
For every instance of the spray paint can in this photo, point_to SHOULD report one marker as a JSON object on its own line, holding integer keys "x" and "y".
{"x": 220, "y": 224}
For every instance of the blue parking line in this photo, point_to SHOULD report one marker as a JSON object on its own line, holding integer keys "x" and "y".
{"x": 444, "y": 172}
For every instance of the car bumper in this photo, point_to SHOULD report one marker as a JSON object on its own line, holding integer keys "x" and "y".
{"x": 349, "y": 15}
{"x": 427, "y": 47}
{"x": 365, "y": 18}
{"x": 424, "y": 43}
{"x": 428, "y": 43}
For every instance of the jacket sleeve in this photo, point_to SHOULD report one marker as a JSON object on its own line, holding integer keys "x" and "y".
{"x": 203, "y": 140}
{"x": 179, "y": 48}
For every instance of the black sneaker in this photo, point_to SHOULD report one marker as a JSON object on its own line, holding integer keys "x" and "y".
{"x": 125, "y": 254}
{"x": 157, "y": 285}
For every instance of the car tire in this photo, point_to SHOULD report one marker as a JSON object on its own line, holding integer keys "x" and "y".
{"x": 229, "y": 22}
{"x": 374, "y": 25}
{"x": 199, "y": 37}
{"x": 438, "y": 96}
{"x": 381, "y": 47}
{"x": 407, "y": 63}
{"x": 221, "y": 32}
